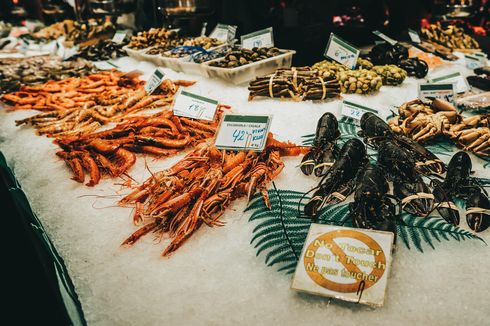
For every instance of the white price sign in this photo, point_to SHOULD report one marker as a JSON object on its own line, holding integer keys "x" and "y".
{"x": 345, "y": 263}
{"x": 385, "y": 37}
{"x": 339, "y": 50}
{"x": 194, "y": 106}
{"x": 155, "y": 80}
{"x": 440, "y": 91}
{"x": 414, "y": 36}
{"x": 243, "y": 132}
{"x": 105, "y": 65}
{"x": 258, "y": 39}
{"x": 354, "y": 110}
{"x": 475, "y": 60}
{"x": 223, "y": 32}
{"x": 461, "y": 85}
{"x": 120, "y": 36}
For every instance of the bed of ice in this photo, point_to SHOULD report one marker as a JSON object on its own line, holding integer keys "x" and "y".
{"x": 215, "y": 278}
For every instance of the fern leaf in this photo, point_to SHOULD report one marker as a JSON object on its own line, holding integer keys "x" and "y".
{"x": 289, "y": 268}
{"x": 280, "y": 250}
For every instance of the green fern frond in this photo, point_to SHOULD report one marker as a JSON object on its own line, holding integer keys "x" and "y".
{"x": 442, "y": 146}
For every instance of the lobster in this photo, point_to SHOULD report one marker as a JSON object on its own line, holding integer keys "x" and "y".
{"x": 321, "y": 155}
{"x": 459, "y": 183}
{"x": 339, "y": 181}
{"x": 372, "y": 208}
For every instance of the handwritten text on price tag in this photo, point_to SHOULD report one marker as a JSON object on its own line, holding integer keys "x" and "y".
{"x": 258, "y": 39}
{"x": 354, "y": 110}
{"x": 243, "y": 132}
{"x": 341, "y": 51}
{"x": 155, "y": 80}
{"x": 194, "y": 106}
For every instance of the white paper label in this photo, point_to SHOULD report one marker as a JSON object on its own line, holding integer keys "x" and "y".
{"x": 385, "y": 37}
{"x": 194, "y": 106}
{"x": 339, "y": 50}
{"x": 475, "y": 60}
{"x": 461, "y": 85}
{"x": 440, "y": 91}
{"x": 155, "y": 80}
{"x": 223, "y": 32}
{"x": 120, "y": 36}
{"x": 243, "y": 132}
{"x": 345, "y": 263}
{"x": 414, "y": 36}
{"x": 105, "y": 65}
{"x": 354, "y": 110}
{"x": 258, "y": 39}
{"x": 203, "y": 28}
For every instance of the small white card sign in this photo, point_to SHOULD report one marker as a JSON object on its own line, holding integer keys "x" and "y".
{"x": 475, "y": 60}
{"x": 345, "y": 263}
{"x": 258, "y": 39}
{"x": 341, "y": 51}
{"x": 243, "y": 132}
{"x": 194, "y": 106}
{"x": 105, "y": 65}
{"x": 354, "y": 110}
{"x": 120, "y": 36}
{"x": 461, "y": 85}
{"x": 414, "y": 36}
{"x": 155, "y": 80}
{"x": 385, "y": 37}
{"x": 440, "y": 91}
{"x": 223, "y": 32}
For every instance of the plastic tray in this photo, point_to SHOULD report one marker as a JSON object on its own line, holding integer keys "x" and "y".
{"x": 135, "y": 54}
{"x": 242, "y": 74}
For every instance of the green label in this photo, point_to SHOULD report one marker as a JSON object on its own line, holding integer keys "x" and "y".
{"x": 243, "y": 132}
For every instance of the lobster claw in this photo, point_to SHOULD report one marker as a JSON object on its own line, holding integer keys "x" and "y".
{"x": 445, "y": 206}
{"x": 324, "y": 161}
{"x": 415, "y": 198}
{"x": 313, "y": 205}
{"x": 308, "y": 163}
{"x": 478, "y": 211}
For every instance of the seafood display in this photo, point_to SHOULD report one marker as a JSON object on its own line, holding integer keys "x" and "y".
{"x": 390, "y": 74}
{"x": 452, "y": 37}
{"x": 387, "y": 54}
{"x": 70, "y": 93}
{"x": 241, "y": 56}
{"x": 55, "y": 31}
{"x": 361, "y": 81}
{"x": 112, "y": 152}
{"x": 184, "y": 46}
{"x": 431, "y": 59}
{"x": 203, "y": 56}
{"x": 295, "y": 83}
{"x": 474, "y": 102}
{"x": 330, "y": 69}
{"x": 196, "y": 190}
{"x": 481, "y": 79}
{"x": 91, "y": 31}
{"x": 103, "y": 50}
{"x": 437, "y": 49}
{"x": 15, "y": 73}
{"x": 101, "y": 108}
{"x": 154, "y": 36}
{"x": 424, "y": 121}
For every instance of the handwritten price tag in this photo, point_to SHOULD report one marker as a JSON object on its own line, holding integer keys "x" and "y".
{"x": 440, "y": 91}
{"x": 385, "y": 37}
{"x": 243, "y": 132}
{"x": 354, "y": 110}
{"x": 461, "y": 85}
{"x": 475, "y": 60}
{"x": 223, "y": 32}
{"x": 414, "y": 36}
{"x": 339, "y": 50}
{"x": 194, "y": 106}
{"x": 120, "y": 36}
{"x": 258, "y": 39}
{"x": 155, "y": 80}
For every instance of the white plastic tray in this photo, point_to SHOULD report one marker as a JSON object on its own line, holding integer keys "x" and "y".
{"x": 135, "y": 54}
{"x": 242, "y": 74}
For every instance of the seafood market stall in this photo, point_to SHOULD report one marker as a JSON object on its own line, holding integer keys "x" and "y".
{"x": 202, "y": 180}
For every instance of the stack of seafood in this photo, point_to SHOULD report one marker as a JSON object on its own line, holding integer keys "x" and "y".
{"x": 295, "y": 83}
{"x": 103, "y": 50}
{"x": 196, "y": 190}
{"x": 330, "y": 68}
{"x": 387, "y": 54}
{"x": 55, "y": 31}
{"x": 15, "y": 72}
{"x": 90, "y": 31}
{"x": 111, "y": 151}
{"x": 154, "y": 36}
{"x": 437, "y": 49}
{"x": 390, "y": 74}
{"x": 241, "y": 56}
{"x": 424, "y": 121}
{"x": 203, "y": 56}
{"x": 404, "y": 162}
{"x": 185, "y": 46}
{"x": 82, "y": 106}
{"x": 452, "y": 37}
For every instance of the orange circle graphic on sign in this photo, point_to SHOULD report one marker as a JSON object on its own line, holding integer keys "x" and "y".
{"x": 327, "y": 240}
